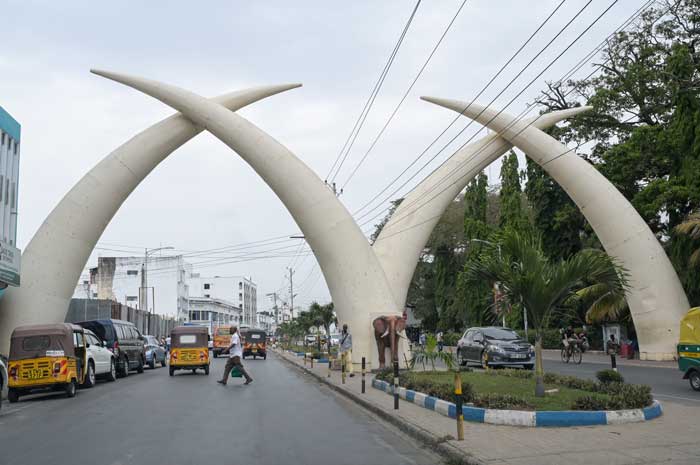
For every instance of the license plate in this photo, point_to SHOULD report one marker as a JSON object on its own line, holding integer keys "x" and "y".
{"x": 35, "y": 373}
{"x": 254, "y": 350}
{"x": 518, "y": 356}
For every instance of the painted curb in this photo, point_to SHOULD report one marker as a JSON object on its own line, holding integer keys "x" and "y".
{"x": 524, "y": 418}
{"x": 439, "y": 444}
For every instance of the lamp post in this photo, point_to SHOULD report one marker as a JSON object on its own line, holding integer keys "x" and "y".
{"x": 144, "y": 277}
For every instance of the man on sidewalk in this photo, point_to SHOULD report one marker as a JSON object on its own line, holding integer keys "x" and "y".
{"x": 235, "y": 351}
{"x": 345, "y": 350}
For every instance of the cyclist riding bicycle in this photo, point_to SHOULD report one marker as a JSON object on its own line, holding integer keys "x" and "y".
{"x": 569, "y": 338}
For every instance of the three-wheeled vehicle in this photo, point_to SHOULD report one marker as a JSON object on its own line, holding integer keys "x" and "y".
{"x": 689, "y": 348}
{"x": 222, "y": 339}
{"x": 46, "y": 357}
{"x": 254, "y": 343}
{"x": 189, "y": 349}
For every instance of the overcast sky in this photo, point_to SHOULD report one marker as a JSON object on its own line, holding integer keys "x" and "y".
{"x": 204, "y": 196}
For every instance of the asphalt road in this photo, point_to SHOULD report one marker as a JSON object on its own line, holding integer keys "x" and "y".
{"x": 283, "y": 417}
{"x": 667, "y": 384}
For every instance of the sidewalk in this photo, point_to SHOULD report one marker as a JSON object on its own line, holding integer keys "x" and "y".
{"x": 671, "y": 439}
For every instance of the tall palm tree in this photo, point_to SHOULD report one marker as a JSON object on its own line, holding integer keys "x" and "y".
{"x": 527, "y": 276}
{"x": 324, "y": 316}
{"x": 691, "y": 228}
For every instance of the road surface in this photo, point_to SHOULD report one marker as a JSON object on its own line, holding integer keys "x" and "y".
{"x": 283, "y": 417}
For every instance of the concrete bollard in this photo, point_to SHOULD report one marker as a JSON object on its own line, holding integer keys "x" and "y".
{"x": 312, "y": 361}
{"x": 396, "y": 384}
{"x": 613, "y": 361}
{"x": 363, "y": 375}
{"x": 330, "y": 366}
{"x": 342, "y": 367}
{"x": 459, "y": 404}
{"x": 304, "y": 359}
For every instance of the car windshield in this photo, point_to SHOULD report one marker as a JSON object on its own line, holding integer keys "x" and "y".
{"x": 501, "y": 334}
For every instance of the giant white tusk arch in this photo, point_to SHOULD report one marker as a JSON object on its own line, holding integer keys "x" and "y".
{"x": 656, "y": 298}
{"x": 404, "y": 236}
{"x": 56, "y": 255}
{"x": 354, "y": 276}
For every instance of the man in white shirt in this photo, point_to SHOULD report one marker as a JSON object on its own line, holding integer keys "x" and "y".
{"x": 235, "y": 351}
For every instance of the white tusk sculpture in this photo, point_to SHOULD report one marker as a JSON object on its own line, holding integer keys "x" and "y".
{"x": 656, "y": 298}
{"x": 354, "y": 276}
{"x": 404, "y": 236}
{"x": 55, "y": 257}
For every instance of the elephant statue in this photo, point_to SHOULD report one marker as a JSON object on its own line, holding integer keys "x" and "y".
{"x": 386, "y": 333}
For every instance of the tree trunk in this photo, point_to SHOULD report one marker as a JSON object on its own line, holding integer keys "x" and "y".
{"x": 539, "y": 369}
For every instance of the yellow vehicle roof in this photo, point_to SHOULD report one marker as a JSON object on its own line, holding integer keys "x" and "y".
{"x": 690, "y": 327}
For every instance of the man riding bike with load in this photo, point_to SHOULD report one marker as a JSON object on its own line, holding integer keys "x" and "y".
{"x": 569, "y": 339}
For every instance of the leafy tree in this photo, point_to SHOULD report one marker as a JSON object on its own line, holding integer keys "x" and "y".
{"x": 691, "y": 229}
{"x": 379, "y": 227}
{"x": 430, "y": 354}
{"x": 512, "y": 213}
{"x": 323, "y": 316}
{"x": 542, "y": 285}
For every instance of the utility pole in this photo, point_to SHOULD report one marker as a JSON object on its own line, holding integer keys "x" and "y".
{"x": 291, "y": 289}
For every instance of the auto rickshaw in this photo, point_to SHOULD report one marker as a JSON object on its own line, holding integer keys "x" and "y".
{"x": 46, "y": 358}
{"x": 254, "y": 343}
{"x": 689, "y": 348}
{"x": 222, "y": 339}
{"x": 189, "y": 349}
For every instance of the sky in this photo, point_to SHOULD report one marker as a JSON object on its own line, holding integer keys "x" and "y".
{"x": 204, "y": 196}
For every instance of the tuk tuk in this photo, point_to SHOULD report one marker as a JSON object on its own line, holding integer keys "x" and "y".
{"x": 254, "y": 343}
{"x": 46, "y": 358}
{"x": 189, "y": 349}
{"x": 222, "y": 339}
{"x": 689, "y": 348}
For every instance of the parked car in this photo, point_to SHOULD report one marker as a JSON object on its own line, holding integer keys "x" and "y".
{"x": 310, "y": 339}
{"x": 495, "y": 346}
{"x": 155, "y": 353}
{"x": 124, "y": 340}
{"x": 101, "y": 361}
{"x": 3, "y": 377}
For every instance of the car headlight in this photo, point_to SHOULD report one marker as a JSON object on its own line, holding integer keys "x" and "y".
{"x": 497, "y": 349}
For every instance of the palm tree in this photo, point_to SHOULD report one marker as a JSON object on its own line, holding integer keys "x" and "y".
{"x": 527, "y": 276}
{"x": 429, "y": 353}
{"x": 324, "y": 316}
{"x": 604, "y": 304}
{"x": 691, "y": 228}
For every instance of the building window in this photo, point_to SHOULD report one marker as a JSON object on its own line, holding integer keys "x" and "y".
{"x": 131, "y": 298}
{"x": 240, "y": 285}
{"x": 207, "y": 295}
{"x": 132, "y": 272}
{"x": 240, "y": 296}
{"x": 207, "y": 286}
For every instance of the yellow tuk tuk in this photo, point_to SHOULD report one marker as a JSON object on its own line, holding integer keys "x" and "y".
{"x": 689, "y": 348}
{"x": 189, "y": 349}
{"x": 46, "y": 357}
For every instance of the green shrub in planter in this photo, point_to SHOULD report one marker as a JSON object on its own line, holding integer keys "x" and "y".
{"x": 502, "y": 402}
{"x": 589, "y": 403}
{"x": 609, "y": 376}
{"x": 633, "y": 396}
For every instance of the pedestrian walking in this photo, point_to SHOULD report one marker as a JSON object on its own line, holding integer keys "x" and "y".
{"x": 613, "y": 348}
{"x": 345, "y": 349}
{"x": 440, "y": 343}
{"x": 235, "y": 353}
{"x": 421, "y": 339}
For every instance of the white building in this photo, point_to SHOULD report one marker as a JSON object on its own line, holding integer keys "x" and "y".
{"x": 87, "y": 285}
{"x": 266, "y": 321}
{"x": 9, "y": 179}
{"x": 164, "y": 292}
{"x": 239, "y": 290}
{"x": 213, "y": 312}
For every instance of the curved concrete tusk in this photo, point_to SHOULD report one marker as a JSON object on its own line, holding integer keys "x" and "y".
{"x": 404, "y": 236}
{"x": 656, "y": 299}
{"x": 353, "y": 274}
{"x": 55, "y": 257}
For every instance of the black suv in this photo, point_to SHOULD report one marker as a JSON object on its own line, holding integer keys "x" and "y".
{"x": 124, "y": 340}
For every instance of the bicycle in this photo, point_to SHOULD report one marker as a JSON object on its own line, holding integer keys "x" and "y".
{"x": 572, "y": 352}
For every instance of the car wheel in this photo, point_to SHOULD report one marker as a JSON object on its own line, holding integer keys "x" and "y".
{"x": 71, "y": 389}
{"x": 484, "y": 360}
{"x": 125, "y": 367}
{"x": 694, "y": 379}
{"x": 460, "y": 359}
{"x": 152, "y": 363}
{"x": 112, "y": 375}
{"x": 216, "y": 355}
{"x": 90, "y": 376}
{"x": 162, "y": 362}
{"x": 206, "y": 370}
{"x": 265, "y": 357}
{"x": 194, "y": 371}
{"x": 172, "y": 371}
{"x": 12, "y": 396}
{"x": 142, "y": 363}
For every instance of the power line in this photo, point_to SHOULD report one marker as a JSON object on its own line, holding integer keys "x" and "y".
{"x": 370, "y": 100}
{"x": 391, "y": 117}
{"x": 532, "y": 60}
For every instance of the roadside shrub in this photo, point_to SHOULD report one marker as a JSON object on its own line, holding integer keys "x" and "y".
{"x": 571, "y": 382}
{"x": 622, "y": 397}
{"x": 450, "y": 339}
{"x": 609, "y": 376}
{"x": 589, "y": 403}
{"x": 502, "y": 402}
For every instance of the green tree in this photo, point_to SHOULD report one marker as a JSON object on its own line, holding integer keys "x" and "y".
{"x": 541, "y": 285}
{"x": 512, "y": 213}
{"x": 324, "y": 316}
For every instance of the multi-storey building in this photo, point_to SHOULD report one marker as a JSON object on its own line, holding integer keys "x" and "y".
{"x": 239, "y": 290}
{"x": 9, "y": 179}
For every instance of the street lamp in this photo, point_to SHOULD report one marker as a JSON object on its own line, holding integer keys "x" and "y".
{"x": 144, "y": 277}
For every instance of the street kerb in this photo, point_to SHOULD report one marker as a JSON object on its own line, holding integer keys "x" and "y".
{"x": 439, "y": 444}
